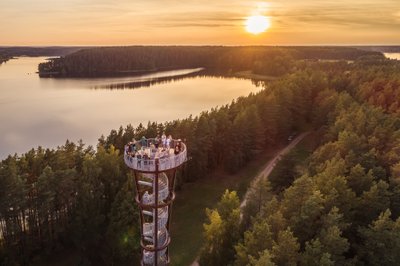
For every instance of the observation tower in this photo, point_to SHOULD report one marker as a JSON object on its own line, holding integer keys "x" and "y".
{"x": 154, "y": 166}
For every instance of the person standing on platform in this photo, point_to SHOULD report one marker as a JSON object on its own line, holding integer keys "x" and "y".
{"x": 164, "y": 140}
{"x": 169, "y": 139}
{"x": 157, "y": 141}
{"x": 143, "y": 142}
{"x": 132, "y": 146}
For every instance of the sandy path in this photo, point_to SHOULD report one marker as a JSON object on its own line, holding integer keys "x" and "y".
{"x": 271, "y": 164}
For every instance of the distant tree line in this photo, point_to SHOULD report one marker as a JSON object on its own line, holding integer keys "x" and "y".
{"x": 109, "y": 61}
{"x": 383, "y": 49}
{"x": 39, "y": 51}
{"x": 7, "y": 53}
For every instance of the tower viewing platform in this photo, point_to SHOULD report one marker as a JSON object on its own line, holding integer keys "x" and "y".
{"x": 144, "y": 158}
{"x": 154, "y": 163}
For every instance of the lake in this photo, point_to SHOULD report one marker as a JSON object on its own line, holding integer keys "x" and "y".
{"x": 392, "y": 55}
{"x": 46, "y": 111}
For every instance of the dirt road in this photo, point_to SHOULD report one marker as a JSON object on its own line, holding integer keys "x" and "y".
{"x": 271, "y": 164}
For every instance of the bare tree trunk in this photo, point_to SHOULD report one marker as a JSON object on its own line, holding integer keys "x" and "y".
{"x": 23, "y": 221}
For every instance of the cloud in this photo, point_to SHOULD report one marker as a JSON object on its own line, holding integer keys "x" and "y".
{"x": 200, "y": 19}
{"x": 337, "y": 15}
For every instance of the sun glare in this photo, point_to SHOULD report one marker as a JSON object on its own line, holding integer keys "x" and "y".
{"x": 257, "y": 24}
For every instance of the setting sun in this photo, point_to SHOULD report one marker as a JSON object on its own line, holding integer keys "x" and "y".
{"x": 257, "y": 24}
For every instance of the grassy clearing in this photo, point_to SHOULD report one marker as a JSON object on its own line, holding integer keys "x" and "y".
{"x": 188, "y": 212}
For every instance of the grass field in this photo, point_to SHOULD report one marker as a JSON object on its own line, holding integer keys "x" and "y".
{"x": 188, "y": 211}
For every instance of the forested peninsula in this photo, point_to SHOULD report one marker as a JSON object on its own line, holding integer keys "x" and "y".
{"x": 341, "y": 207}
{"x": 118, "y": 61}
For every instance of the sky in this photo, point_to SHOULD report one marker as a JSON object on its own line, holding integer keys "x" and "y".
{"x": 198, "y": 22}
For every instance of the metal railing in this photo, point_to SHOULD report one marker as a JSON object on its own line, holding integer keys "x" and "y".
{"x": 164, "y": 163}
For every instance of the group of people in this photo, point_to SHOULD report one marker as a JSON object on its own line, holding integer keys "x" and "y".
{"x": 153, "y": 148}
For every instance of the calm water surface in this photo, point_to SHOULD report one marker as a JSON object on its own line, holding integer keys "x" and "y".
{"x": 392, "y": 55}
{"x": 46, "y": 112}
